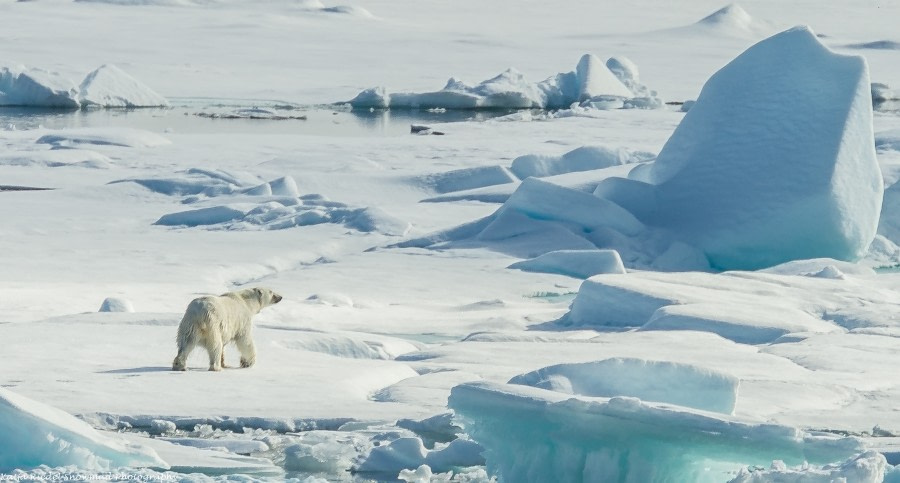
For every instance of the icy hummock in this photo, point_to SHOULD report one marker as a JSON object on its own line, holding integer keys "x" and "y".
{"x": 116, "y": 304}
{"x": 533, "y": 434}
{"x": 35, "y": 434}
{"x": 21, "y": 86}
{"x": 592, "y": 84}
{"x": 791, "y": 175}
{"x": 107, "y": 86}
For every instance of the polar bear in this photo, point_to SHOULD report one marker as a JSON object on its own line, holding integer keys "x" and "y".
{"x": 214, "y": 321}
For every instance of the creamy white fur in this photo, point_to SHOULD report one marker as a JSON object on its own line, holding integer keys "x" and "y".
{"x": 214, "y": 321}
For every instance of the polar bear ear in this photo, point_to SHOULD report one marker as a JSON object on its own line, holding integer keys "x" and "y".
{"x": 259, "y": 293}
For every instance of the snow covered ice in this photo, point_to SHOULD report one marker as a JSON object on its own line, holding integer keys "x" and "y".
{"x": 107, "y": 86}
{"x": 592, "y": 83}
{"x": 577, "y": 282}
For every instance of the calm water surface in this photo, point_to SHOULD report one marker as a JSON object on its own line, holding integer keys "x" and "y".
{"x": 192, "y": 115}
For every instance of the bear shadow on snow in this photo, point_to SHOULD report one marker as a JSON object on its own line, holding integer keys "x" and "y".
{"x": 214, "y": 321}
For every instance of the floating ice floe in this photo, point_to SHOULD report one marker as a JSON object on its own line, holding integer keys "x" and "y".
{"x": 535, "y": 434}
{"x": 35, "y": 434}
{"x": 107, "y": 86}
{"x": 36, "y": 87}
{"x": 604, "y": 86}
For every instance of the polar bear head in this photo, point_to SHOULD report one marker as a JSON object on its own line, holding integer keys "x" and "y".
{"x": 266, "y": 296}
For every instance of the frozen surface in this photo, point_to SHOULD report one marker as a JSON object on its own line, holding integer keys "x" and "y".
{"x": 391, "y": 302}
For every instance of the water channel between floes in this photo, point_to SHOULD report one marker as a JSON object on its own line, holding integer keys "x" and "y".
{"x": 218, "y": 116}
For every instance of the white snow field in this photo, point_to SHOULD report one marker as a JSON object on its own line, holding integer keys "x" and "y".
{"x": 504, "y": 280}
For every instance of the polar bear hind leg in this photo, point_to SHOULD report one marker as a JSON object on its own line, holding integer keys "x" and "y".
{"x": 248, "y": 350}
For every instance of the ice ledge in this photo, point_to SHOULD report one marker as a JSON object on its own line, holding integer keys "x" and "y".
{"x": 533, "y": 434}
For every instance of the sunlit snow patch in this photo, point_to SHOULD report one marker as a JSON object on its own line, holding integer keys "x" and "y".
{"x": 35, "y": 434}
{"x": 592, "y": 84}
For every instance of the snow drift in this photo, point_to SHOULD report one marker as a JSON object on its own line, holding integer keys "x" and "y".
{"x": 35, "y": 434}
{"x": 592, "y": 83}
{"x": 107, "y": 86}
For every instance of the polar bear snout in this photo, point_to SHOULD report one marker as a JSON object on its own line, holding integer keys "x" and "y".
{"x": 276, "y": 298}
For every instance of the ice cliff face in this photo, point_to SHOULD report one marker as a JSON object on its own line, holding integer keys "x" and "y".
{"x": 776, "y": 160}
{"x": 35, "y": 434}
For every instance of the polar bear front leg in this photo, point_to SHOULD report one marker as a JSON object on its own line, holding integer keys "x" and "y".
{"x": 248, "y": 350}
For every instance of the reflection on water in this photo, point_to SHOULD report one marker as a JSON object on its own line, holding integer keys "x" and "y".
{"x": 193, "y": 115}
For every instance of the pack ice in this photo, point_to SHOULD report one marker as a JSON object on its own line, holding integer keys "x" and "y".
{"x": 593, "y": 83}
{"x": 106, "y": 86}
{"x": 775, "y": 162}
